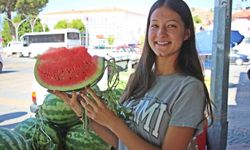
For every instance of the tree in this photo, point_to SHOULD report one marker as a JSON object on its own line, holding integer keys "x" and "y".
{"x": 7, "y": 6}
{"x": 77, "y": 24}
{"x": 6, "y": 33}
{"x": 62, "y": 24}
{"x": 30, "y": 7}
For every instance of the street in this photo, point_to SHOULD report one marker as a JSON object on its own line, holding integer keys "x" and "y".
{"x": 15, "y": 90}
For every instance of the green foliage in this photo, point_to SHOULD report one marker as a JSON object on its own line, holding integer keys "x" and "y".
{"x": 62, "y": 24}
{"x": 26, "y": 27}
{"x": 28, "y": 7}
{"x": 6, "y": 33}
{"x": 7, "y": 6}
{"x": 111, "y": 39}
{"x": 77, "y": 24}
{"x": 197, "y": 19}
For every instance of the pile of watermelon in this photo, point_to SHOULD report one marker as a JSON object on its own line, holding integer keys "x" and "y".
{"x": 56, "y": 126}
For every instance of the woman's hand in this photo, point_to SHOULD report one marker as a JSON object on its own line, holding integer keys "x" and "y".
{"x": 96, "y": 109}
{"x": 70, "y": 100}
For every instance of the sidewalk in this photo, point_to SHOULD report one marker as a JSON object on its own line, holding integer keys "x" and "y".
{"x": 239, "y": 116}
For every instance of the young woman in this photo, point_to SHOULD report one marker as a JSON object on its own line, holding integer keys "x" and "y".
{"x": 166, "y": 93}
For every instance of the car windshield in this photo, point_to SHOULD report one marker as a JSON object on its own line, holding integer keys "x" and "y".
{"x": 247, "y": 40}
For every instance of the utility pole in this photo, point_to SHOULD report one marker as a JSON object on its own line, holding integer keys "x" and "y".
{"x": 217, "y": 133}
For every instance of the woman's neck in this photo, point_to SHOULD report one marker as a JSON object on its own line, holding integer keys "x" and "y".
{"x": 165, "y": 67}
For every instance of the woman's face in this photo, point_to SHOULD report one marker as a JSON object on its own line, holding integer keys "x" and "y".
{"x": 166, "y": 33}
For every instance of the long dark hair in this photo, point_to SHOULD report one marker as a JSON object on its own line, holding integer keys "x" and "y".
{"x": 188, "y": 61}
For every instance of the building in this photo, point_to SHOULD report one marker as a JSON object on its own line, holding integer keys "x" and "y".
{"x": 126, "y": 27}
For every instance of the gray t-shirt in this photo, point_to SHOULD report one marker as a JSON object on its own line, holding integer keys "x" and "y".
{"x": 174, "y": 100}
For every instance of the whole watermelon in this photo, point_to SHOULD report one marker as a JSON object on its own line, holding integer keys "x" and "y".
{"x": 78, "y": 139}
{"x": 65, "y": 69}
{"x": 11, "y": 140}
{"x": 56, "y": 111}
{"x": 41, "y": 134}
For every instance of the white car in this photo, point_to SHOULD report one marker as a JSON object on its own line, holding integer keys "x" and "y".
{"x": 13, "y": 48}
{"x": 243, "y": 47}
{"x": 1, "y": 64}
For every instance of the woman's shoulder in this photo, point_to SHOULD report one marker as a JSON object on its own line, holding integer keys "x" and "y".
{"x": 180, "y": 79}
{"x": 190, "y": 81}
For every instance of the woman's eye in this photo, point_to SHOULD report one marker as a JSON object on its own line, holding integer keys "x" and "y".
{"x": 153, "y": 26}
{"x": 172, "y": 26}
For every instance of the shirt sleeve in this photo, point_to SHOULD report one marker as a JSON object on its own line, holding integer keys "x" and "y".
{"x": 188, "y": 109}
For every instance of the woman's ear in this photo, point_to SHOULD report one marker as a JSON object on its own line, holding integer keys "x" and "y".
{"x": 186, "y": 34}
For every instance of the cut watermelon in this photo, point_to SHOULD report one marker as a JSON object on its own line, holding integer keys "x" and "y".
{"x": 68, "y": 69}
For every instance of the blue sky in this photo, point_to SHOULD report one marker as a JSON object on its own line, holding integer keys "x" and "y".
{"x": 136, "y": 5}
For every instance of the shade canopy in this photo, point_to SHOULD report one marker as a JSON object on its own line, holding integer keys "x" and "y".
{"x": 204, "y": 40}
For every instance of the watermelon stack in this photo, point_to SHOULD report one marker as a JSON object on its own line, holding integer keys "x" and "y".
{"x": 56, "y": 111}
{"x": 78, "y": 138}
{"x": 11, "y": 140}
{"x": 40, "y": 134}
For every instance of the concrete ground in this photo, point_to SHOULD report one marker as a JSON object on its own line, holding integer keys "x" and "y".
{"x": 239, "y": 115}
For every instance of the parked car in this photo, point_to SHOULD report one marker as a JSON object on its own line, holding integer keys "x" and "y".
{"x": 13, "y": 48}
{"x": 234, "y": 58}
{"x": 238, "y": 58}
{"x": 1, "y": 64}
{"x": 243, "y": 47}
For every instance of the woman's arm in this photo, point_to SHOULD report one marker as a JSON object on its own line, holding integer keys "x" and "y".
{"x": 103, "y": 132}
{"x": 177, "y": 138}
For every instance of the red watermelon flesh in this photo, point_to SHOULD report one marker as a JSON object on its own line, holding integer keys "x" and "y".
{"x": 68, "y": 69}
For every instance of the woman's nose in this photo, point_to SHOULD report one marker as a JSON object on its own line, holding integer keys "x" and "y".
{"x": 162, "y": 31}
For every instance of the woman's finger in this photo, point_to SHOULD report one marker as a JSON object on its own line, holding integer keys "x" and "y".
{"x": 88, "y": 102}
{"x": 95, "y": 97}
{"x": 87, "y": 107}
{"x": 74, "y": 95}
{"x": 61, "y": 95}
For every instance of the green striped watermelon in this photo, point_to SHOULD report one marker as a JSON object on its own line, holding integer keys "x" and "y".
{"x": 11, "y": 140}
{"x": 56, "y": 111}
{"x": 78, "y": 139}
{"x": 41, "y": 134}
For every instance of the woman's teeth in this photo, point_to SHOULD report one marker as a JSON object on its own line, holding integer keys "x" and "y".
{"x": 162, "y": 43}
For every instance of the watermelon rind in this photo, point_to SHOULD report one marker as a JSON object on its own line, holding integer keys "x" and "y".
{"x": 40, "y": 134}
{"x": 80, "y": 138}
{"x": 77, "y": 86}
{"x": 11, "y": 140}
{"x": 56, "y": 111}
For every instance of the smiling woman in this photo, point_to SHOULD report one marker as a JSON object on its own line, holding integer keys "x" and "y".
{"x": 166, "y": 95}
